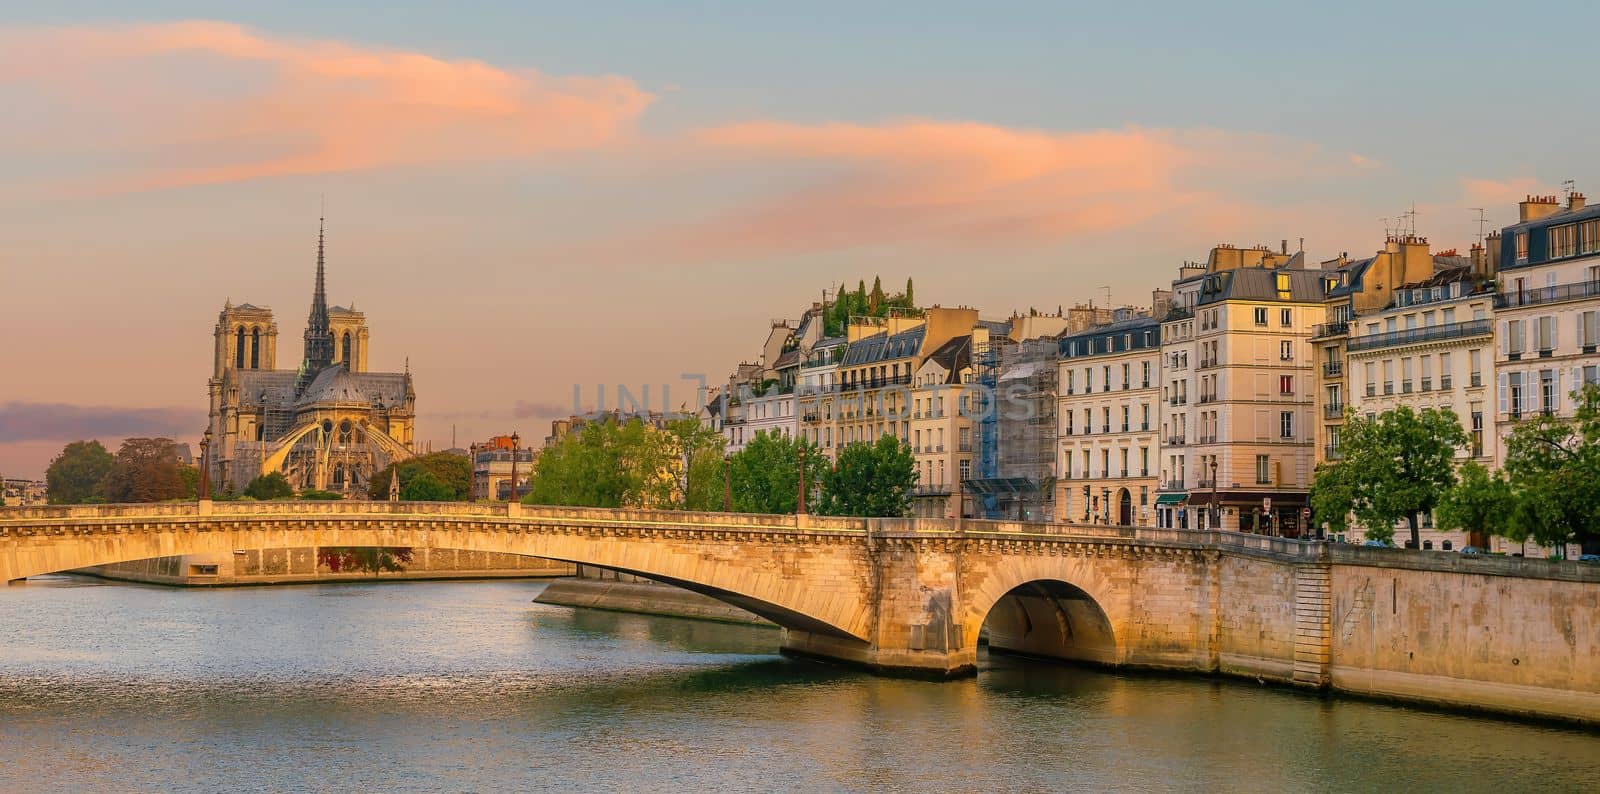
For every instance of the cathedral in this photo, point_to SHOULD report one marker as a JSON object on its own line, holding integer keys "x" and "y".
{"x": 329, "y": 425}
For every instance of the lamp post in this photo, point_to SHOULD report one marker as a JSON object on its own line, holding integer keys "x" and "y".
{"x": 800, "y": 508}
{"x": 204, "y": 491}
{"x": 727, "y": 483}
{"x": 516, "y": 444}
{"x": 1216, "y": 509}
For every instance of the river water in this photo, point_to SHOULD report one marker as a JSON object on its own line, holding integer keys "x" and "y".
{"x": 468, "y": 686}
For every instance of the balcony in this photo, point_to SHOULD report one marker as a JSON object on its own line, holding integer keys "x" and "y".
{"x": 1175, "y": 441}
{"x": 1444, "y": 382}
{"x": 1430, "y": 333}
{"x": 1327, "y": 330}
{"x": 1331, "y": 452}
{"x": 1388, "y": 387}
{"x": 1405, "y": 387}
{"x": 1333, "y": 410}
{"x": 1171, "y": 485}
{"x": 930, "y": 490}
{"x": 1543, "y": 295}
{"x": 1211, "y": 439}
{"x": 1333, "y": 369}
{"x": 1205, "y": 484}
{"x": 1372, "y": 389}
{"x": 1477, "y": 380}
{"x": 1207, "y": 398}
{"x": 1427, "y": 384}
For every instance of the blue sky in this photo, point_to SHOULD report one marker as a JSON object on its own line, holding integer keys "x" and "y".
{"x": 728, "y": 161}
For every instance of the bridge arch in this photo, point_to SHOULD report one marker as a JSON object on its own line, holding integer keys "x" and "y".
{"x": 1054, "y": 607}
{"x": 799, "y": 578}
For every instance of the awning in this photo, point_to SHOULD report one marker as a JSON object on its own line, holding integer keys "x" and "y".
{"x": 1171, "y": 498}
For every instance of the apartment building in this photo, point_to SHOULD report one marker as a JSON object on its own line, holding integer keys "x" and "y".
{"x": 1547, "y": 311}
{"x": 1109, "y": 388}
{"x": 819, "y": 368}
{"x": 941, "y": 432}
{"x": 874, "y": 377}
{"x": 1246, "y": 436}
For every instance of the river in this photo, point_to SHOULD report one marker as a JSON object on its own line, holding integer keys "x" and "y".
{"x": 468, "y": 686}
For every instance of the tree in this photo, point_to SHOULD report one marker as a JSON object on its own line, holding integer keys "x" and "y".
{"x": 1394, "y": 466}
{"x": 871, "y": 480}
{"x": 191, "y": 481}
{"x": 75, "y": 476}
{"x": 1554, "y": 465}
{"x": 272, "y": 485}
{"x": 875, "y": 299}
{"x": 910, "y": 296}
{"x": 365, "y": 559}
{"x": 1333, "y": 498}
{"x": 425, "y": 487}
{"x": 606, "y": 464}
{"x": 145, "y": 470}
{"x": 1480, "y": 503}
{"x": 692, "y": 452}
{"x": 453, "y": 471}
{"x": 766, "y": 474}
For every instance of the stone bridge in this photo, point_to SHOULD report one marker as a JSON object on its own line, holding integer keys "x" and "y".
{"x": 914, "y": 595}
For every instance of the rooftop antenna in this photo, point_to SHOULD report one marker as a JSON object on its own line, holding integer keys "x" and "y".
{"x": 1107, "y": 288}
{"x": 1410, "y": 217}
{"x": 1568, "y": 186}
{"x": 1483, "y": 222}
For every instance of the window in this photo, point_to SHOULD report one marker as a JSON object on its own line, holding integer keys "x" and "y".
{"x": 1514, "y": 339}
{"x": 1475, "y": 361}
{"x": 1446, "y": 372}
{"x": 1126, "y": 411}
{"x": 1545, "y": 335}
{"x": 1563, "y": 240}
{"x": 1286, "y": 384}
{"x": 966, "y": 470}
{"x": 1282, "y": 284}
{"x": 1547, "y": 391}
{"x": 1285, "y": 316}
{"x": 1286, "y": 424}
{"x": 1589, "y": 330}
{"x": 1589, "y": 237}
{"x": 1388, "y": 376}
{"x": 1511, "y": 396}
{"x": 1127, "y": 382}
{"x": 1263, "y": 470}
{"x": 1070, "y": 373}
{"x": 1405, "y": 375}
{"x": 1477, "y": 430}
{"x": 1286, "y": 350}
{"x": 1522, "y": 246}
{"x": 1427, "y": 373}
{"x": 1106, "y": 372}
{"x": 1261, "y": 315}
{"x": 1144, "y": 461}
{"x": 1105, "y": 463}
{"x": 1144, "y": 416}
{"x": 1449, "y": 315}
{"x": 1146, "y": 366}
{"x": 1067, "y": 429}
{"x": 1372, "y": 379}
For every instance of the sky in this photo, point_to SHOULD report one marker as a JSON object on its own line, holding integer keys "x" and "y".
{"x": 529, "y": 198}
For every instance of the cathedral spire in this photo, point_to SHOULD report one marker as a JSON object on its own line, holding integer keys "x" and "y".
{"x": 319, "y": 339}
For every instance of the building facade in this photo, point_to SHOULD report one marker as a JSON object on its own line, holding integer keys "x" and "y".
{"x": 1109, "y": 384}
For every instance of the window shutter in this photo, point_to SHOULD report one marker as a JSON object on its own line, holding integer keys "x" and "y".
{"x": 1555, "y": 334}
{"x": 1531, "y": 391}
{"x": 1505, "y": 347}
{"x": 1503, "y": 407}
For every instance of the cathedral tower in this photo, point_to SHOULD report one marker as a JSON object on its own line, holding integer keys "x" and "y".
{"x": 319, "y": 338}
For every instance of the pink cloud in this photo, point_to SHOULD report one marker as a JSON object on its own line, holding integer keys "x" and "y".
{"x": 190, "y": 103}
{"x": 1497, "y": 193}
{"x": 953, "y": 184}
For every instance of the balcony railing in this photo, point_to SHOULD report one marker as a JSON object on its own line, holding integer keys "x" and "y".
{"x": 1206, "y": 484}
{"x": 1333, "y": 410}
{"x": 1322, "y": 330}
{"x": 1333, "y": 369}
{"x": 1171, "y": 485}
{"x": 1331, "y": 452}
{"x": 930, "y": 490}
{"x": 1542, "y": 295}
{"x": 1388, "y": 387}
{"x": 1429, "y": 333}
{"x": 1444, "y": 382}
{"x": 1175, "y": 441}
{"x": 1427, "y": 384}
{"x": 1211, "y": 439}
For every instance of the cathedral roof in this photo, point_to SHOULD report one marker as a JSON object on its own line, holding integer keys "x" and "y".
{"x": 339, "y": 385}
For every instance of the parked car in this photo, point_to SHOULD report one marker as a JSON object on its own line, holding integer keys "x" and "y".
{"x": 1378, "y": 544}
{"x": 1589, "y": 558}
{"x": 1473, "y": 551}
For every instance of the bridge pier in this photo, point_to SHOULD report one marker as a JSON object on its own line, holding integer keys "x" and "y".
{"x": 937, "y": 664}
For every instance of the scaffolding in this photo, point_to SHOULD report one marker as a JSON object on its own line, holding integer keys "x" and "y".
{"x": 1017, "y": 430}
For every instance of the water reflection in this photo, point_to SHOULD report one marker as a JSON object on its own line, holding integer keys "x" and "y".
{"x": 470, "y": 686}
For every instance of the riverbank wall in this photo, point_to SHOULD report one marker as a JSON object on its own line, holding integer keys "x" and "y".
{"x": 594, "y": 588}
{"x": 299, "y": 566}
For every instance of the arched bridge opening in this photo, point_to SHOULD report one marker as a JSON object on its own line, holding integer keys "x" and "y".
{"x": 1050, "y": 619}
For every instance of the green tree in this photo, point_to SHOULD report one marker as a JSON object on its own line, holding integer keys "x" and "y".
{"x": 272, "y": 485}
{"x": 876, "y": 299}
{"x": 191, "y": 481}
{"x": 871, "y": 480}
{"x": 606, "y": 464}
{"x": 75, "y": 475}
{"x": 1554, "y": 465}
{"x": 425, "y": 487}
{"x": 1394, "y": 466}
{"x": 910, "y": 297}
{"x": 692, "y": 453}
{"x": 766, "y": 474}
{"x": 1333, "y": 497}
{"x": 1481, "y": 503}
{"x": 454, "y": 471}
{"x": 145, "y": 470}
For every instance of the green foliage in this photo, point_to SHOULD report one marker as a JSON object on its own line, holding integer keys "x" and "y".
{"x": 272, "y": 485}
{"x": 862, "y": 303}
{"x": 364, "y": 559}
{"x": 74, "y": 477}
{"x": 1481, "y": 503}
{"x": 766, "y": 474}
{"x": 691, "y": 454}
{"x": 454, "y": 471}
{"x": 1554, "y": 465}
{"x": 424, "y": 487}
{"x": 871, "y": 480}
{"x": 606, "y": 464}
{"x": 144, "y": 470}
{"x": 1394, "y": 466}
{"x": 315, "y": 495}
{"x": 1333, "y": 497}
{"x": 191, "y": 480}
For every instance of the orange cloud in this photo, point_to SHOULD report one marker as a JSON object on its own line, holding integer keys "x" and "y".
{"x": 192, "y": 103}
{"x": 955, "y": 184}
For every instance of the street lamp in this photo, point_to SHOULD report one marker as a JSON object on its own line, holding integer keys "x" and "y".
{"x": 800, "y": 509}
{"x": 727, "y": 483}
{"x": 516, "y": 444}
{"x": 1216, "y": 509}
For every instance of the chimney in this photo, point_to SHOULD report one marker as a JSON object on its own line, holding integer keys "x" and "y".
{"x": 1285, "y": 246}
{"x": 1478, "y": 260}
{"x": 1575, "y": 201}
{"x": 1533, "y": 208}
{"x": 1491, "y": 254}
